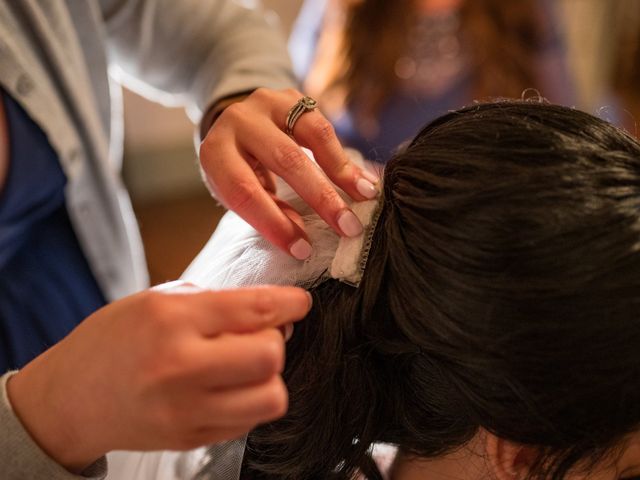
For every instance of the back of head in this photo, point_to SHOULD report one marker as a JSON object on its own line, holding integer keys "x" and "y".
{"x": 502, "y": 292}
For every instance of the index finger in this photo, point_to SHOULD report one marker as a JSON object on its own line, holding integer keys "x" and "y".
{"x": 251, "y": 309}
{"x": 238, "y": 188}
{"x": 287, "y": 160}
{"x": 315, "y": 132}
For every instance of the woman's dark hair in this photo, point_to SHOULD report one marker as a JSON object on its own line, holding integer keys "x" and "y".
{"x": 502, "y": 292}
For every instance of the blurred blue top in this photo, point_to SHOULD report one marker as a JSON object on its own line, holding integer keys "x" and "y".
{"x": 46, "y": 286}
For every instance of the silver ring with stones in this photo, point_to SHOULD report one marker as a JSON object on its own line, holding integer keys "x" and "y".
{"x": 302, "y": 106}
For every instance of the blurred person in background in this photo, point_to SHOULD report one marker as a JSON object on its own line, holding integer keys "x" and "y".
{"x": 381, "y": 68}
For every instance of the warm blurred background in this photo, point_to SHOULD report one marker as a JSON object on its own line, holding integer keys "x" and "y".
{"x": 412, "y": 59}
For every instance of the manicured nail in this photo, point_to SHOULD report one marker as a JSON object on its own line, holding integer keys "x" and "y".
{"x": 301, "y": 249}
{"x": 310, "y": 299}
{"x": 366, "y": 188}
{"x": 288, "y": 331}
{"x": 349, "y": 223}
{"x": 372, "y": 177}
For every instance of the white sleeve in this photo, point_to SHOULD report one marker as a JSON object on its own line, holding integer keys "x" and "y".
{"x": 20, "y": 456}
{"x": 194, "y": 52}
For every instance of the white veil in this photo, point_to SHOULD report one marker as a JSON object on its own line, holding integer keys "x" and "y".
{"x": 237, "y": 256}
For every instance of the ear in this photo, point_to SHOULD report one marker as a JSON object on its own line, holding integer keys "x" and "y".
{"x": 509, "y": 460}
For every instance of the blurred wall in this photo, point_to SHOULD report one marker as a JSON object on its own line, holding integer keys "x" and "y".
{"x": 588, "y": 28}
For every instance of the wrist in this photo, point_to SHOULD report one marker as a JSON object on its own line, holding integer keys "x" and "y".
{"x": 48, "y": 418}
{"x": 211, "y": 115}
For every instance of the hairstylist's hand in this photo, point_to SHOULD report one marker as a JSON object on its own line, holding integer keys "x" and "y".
{"x": 160, "y": 370}
{"x": 247, "y": 145}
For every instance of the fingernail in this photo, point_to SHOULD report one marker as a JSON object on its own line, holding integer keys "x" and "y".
{"x": 310, "y": 299}
{"x": 366, "y": 188}
{"x": 301, "y": 249}
{"x": 288, "y": 331}
{"x": 372, "y": 177}
{"x": 349, "y": 224}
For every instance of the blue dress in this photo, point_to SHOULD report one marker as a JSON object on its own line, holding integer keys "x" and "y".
{"x": 46, "y": 285}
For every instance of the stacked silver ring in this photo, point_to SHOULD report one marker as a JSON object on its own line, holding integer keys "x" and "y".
{"x": 302, "y": 106}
